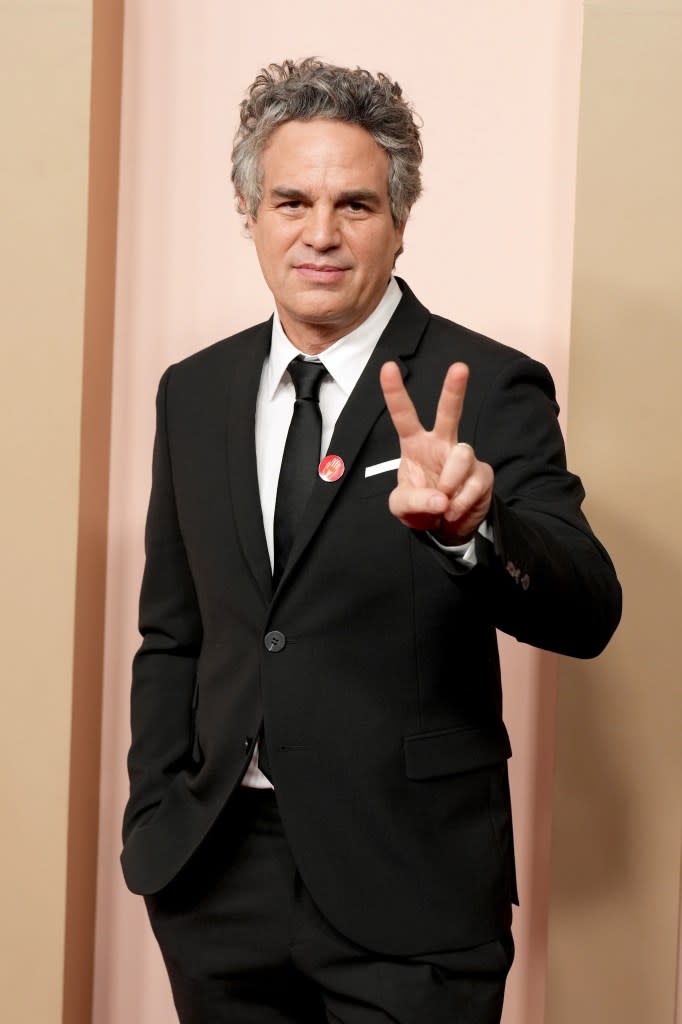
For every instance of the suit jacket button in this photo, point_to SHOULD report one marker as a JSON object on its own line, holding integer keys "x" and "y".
{"x": 274, "y": 641}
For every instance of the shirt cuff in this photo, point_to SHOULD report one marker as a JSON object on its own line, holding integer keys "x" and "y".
{"x": 465, "y": 554}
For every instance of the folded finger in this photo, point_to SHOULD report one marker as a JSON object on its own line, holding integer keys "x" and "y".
{"x": 458, "y": 465}
{"x": 472, "y": 498}
{"x": 409, "y": 501}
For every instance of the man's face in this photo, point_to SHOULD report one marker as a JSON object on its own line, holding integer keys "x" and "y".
{"x": 324, "y": 234}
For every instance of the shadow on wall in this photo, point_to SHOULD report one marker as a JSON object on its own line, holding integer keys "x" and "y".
{"x": 616, "y": 794}
{"x": 594, "y": 823}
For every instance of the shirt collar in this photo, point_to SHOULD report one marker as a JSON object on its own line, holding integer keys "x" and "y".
{"x": 346, "y": 358}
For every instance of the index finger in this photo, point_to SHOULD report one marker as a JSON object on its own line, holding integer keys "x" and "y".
{"x": 398, "y": 402}
{"x": 451, "y": 402}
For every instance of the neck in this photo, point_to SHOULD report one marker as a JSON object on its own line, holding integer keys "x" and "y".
{"x": 308, "y": 339}
{"x": 313, "y": 338}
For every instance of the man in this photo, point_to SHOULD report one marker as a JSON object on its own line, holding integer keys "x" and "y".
{"x": 324, "y": 578}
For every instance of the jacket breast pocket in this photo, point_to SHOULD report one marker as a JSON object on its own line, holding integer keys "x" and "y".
{"x": 431, "y": 755}
{"x": 380, "y": 483}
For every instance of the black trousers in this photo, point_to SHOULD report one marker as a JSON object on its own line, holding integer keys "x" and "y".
{"x": 244, "y": 943}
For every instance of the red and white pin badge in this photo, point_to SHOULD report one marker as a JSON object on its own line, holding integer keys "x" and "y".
{"x": 331, "y": 468}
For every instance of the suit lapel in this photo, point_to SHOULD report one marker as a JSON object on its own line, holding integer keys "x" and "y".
{"x": 364, "y": 406}
{"x": 241, "y": 453}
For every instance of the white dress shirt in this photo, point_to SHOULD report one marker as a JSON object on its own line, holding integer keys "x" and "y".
{"x": 344, "y": 361}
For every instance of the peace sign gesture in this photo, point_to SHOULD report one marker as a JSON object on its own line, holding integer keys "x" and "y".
{"x": 442, "y": 487}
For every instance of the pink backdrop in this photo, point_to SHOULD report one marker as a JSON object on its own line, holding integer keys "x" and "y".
{"x": 489, "y": 244}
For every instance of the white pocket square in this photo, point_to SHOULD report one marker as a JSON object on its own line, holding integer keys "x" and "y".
{"x": 382, "y": 467}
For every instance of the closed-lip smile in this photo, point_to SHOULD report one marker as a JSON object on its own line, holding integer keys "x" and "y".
{"x": 321, "y": 272}
{"x": 324, "y": 267}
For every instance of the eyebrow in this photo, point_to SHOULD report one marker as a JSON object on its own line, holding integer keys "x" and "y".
{"x": 360, "y": 195}
{"x": 356, "y": 195}
{"x": 283, "y": 192}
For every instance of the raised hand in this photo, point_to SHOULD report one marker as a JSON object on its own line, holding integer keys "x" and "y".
{"x": 442, "y": 486}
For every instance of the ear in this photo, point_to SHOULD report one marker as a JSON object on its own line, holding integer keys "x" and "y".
{"x": 399, "y": 234}
{"x": 242, "y": 209}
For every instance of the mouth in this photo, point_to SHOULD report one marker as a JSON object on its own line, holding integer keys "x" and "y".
{"x": 325, "y": 273}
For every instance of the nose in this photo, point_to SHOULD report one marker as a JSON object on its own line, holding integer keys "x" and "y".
{"x": 321, "y": 229}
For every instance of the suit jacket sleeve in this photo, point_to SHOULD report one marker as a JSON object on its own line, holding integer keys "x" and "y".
{"x": 546, "y": 580}
{"x": 164, "y": 667}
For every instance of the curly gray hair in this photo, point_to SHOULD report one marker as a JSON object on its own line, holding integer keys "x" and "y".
{"x": 309, "y": 88}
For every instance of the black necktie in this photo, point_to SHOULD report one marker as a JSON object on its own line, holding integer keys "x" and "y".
{"x": 296, "y": 476}
{"x": 300, "y": 459}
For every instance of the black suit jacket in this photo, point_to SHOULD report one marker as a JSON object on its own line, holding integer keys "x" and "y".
{"x": 383, "y": 709}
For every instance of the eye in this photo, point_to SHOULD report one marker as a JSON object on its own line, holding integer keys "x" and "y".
{"x": 290, "y": 204}
{"x": 357, "y": 207}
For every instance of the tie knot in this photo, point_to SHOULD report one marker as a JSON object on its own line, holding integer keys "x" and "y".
{"x": 307, "y": 377}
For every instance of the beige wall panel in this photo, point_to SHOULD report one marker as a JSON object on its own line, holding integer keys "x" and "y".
{"x": 44, "y": 111}
{"x": 617, "y": 817}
